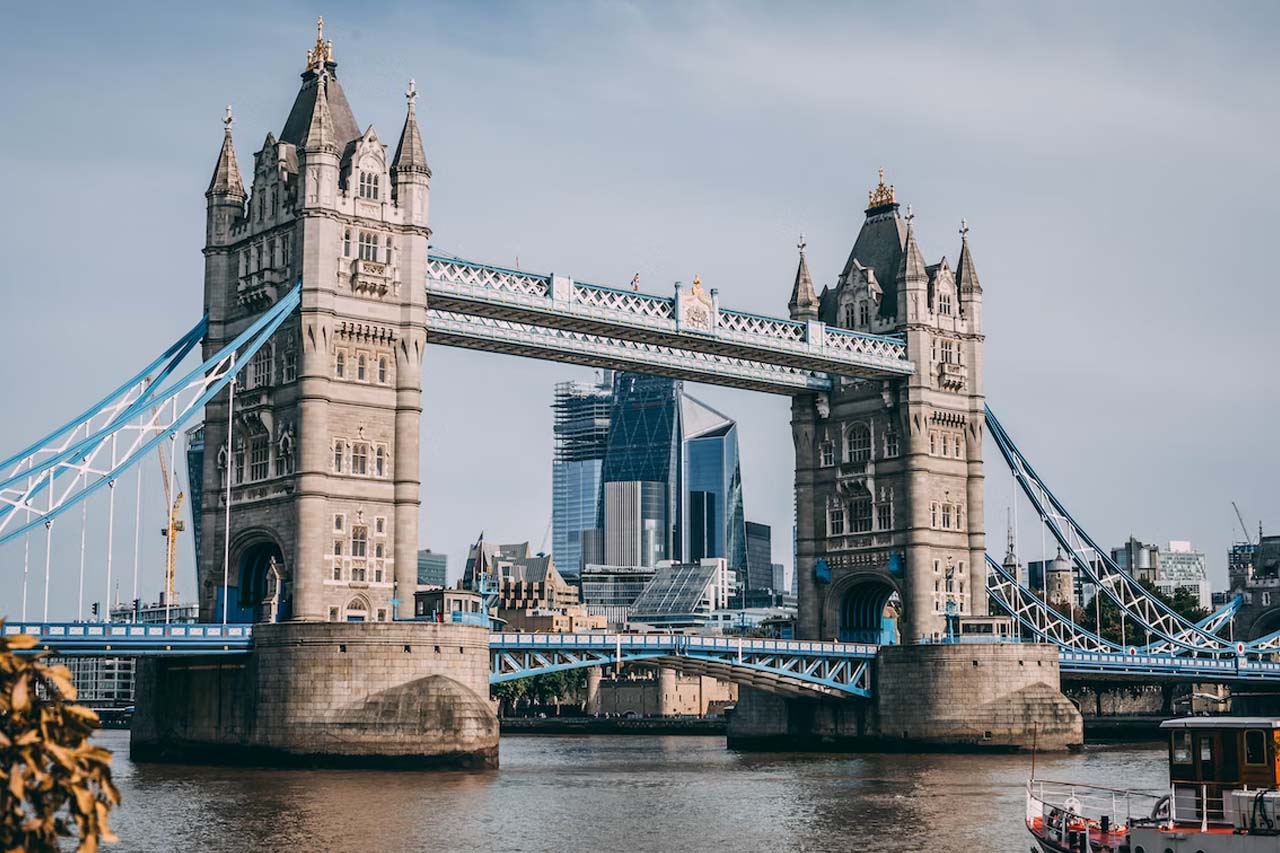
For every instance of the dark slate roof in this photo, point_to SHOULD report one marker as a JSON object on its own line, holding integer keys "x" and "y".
{"x": 966, "y": 273}
{"x": 299, "y": 121}
{"x": 879, "y": 246}
{"x": 226, "y": 178}
{"x": 803, "y": 299}
{"x": 410, "y": 156}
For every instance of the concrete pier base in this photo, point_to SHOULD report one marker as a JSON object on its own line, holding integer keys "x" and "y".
{"x": 1000, "y": 696}
{"x": 386, "y": 694}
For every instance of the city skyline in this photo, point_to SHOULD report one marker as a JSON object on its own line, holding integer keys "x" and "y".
{"x": 151, "y": 168}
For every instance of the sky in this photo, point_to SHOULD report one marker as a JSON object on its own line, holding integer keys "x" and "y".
{"x": 1115, "y": 163}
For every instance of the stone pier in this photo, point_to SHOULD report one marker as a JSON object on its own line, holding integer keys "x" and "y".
{"x": 389, "y": 694}
{"x": 997, "y": 696}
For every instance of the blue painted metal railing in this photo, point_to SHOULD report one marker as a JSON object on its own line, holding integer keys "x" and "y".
{"x": 122, "y": 639}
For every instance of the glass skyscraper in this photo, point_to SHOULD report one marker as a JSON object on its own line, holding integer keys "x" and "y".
{"x": 582, "y": 432}
{"x": 641, "y": 472}
{"x": 712, "y": 521}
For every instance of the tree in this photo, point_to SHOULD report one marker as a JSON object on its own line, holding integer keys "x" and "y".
{"x": 54, "y": 783}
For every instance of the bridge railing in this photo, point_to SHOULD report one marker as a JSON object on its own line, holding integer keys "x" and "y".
{"x": 551, "y": 296}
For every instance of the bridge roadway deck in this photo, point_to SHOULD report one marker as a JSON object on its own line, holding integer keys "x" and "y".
{"x": 789, "y": 666}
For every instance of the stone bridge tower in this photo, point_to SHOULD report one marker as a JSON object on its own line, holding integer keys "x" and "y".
{"x": 889, "y": 473}
{"x": 323, "y": 453}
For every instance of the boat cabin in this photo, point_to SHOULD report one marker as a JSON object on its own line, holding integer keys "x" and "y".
{"x": 1228, "y": 752}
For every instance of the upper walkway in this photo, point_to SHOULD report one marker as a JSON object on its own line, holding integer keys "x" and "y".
{"x": 686, "y": 336}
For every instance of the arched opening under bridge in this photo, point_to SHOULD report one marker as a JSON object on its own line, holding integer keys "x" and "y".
{"x": 869, "y": 611}
{"x": 260, "y": 593}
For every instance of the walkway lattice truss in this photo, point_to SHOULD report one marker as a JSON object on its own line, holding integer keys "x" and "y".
{"x": 687, "y": 336}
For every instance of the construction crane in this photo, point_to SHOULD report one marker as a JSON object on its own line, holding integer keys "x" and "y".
{"x": 170, "y": 531}
{"x": 1243, "y": 526}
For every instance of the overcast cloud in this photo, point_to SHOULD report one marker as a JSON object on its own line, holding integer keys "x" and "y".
{"x": 1115, "y": 163}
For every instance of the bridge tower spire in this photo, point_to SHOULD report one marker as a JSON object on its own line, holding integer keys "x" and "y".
{"x": 804, "y": 301}
{"x": 323, "y": 457}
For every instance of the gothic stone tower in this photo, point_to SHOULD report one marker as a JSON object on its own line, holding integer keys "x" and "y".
{"x": 889, "y": 474}
{"x": 323, "y": 457}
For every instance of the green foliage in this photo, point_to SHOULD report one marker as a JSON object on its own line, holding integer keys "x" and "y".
{"x": 54, "y": 784}
{"x": 544, "y": 689}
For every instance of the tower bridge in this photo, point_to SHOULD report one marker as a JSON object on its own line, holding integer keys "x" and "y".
{"x": 321, "y": 296}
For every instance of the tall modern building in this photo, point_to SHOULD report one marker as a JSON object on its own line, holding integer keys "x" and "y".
{"x": 433, "y": 568}
{"x": 641, "y": 473}
{"x": 582, "y": 437}
{"x": 1182, "y": 567}
{"x": 1138, "y": 559}
{"x": 712, "y": 520}
{"x": 644, "y": 473}
{"x": 760, "y": 572}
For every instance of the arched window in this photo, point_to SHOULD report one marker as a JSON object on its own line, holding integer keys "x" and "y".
{"x": 380, "y": 462}
{"x": 337, "y": 456}
{"x": 361, "y": 364}
{"x": 359, "y": 458}
{"x": 944, "y": 304}
{"x": 357, "y": 610}
{"x": 369, "y": 185}
{"x": 346, "y": 243}
{"x": 382, "y": 370}
{"x": 340, "y": 364}
{"x": 864, "y": 314}
{"x": 359, "y": 542}
{"x": 858, "y": 444}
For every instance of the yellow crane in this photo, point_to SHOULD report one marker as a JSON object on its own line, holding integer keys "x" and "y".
{"x": 171, "y": 530}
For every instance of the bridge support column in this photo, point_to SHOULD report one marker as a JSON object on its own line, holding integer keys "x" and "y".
{"x": 593, "y": 691}
{"x": 389, "y": 694}
{"x": 998, "y": 696}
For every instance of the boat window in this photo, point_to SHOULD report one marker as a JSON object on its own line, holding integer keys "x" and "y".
{"x": 1182, "y": 747}
{"x": 1206, "y": 749}
{"x": 1255, "y": 747}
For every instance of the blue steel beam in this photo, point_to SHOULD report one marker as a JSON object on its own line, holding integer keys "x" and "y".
{"x": 199, "y": 386}
{"x": 792, "y": 667}
{"x": 127, "y": 639}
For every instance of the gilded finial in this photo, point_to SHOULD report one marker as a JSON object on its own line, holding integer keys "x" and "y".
{"x": 227, "y": 120}
{"x": 697, "y": 283}
{"x": 323, "y": 51}
{"x": 882, "y": 194}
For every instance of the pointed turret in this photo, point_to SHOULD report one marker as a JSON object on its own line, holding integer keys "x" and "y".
{"x": 911, "y": 267}
{"x": 226, "y": 179}
{"x": 804, "y": 301}
{"x": 320, "y": 136}
{"x": 410, "y": 175}
{"x": 410, "y": 156}
{"x": 966, "y": 274}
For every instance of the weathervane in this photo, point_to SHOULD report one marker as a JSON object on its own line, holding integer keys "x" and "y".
{"x": 411, "y": 94}
{"x": 802, "y": 244}
{"x": 227, "y": 120}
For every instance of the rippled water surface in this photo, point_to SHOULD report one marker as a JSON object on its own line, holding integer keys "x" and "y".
{"x": 611, "y": 794}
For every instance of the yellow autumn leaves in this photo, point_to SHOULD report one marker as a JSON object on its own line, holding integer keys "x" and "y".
{"x": 54, "y": 783}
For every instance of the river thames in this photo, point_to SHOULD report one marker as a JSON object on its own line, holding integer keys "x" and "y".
{"x": 622, "y": 793}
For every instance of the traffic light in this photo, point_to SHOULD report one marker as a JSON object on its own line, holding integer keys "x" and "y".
{"x": 95, "y": 610}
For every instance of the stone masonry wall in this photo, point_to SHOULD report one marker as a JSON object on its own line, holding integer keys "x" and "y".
{"x": 396, "y": 693}
{"x": 998, "y": 695}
